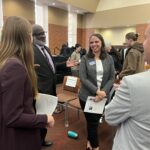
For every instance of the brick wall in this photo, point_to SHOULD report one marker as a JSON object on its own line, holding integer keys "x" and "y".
{"x": 57, "y": 36}
{"x": 140, "y": 29}
{"x": 79, "y": 36}
{"x": 83, "y": 37}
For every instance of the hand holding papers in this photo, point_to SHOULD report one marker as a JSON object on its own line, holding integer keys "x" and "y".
{"x": 50, "y": 121}
{"x": 94, "y": 107}
{"x": 46, "y": 104}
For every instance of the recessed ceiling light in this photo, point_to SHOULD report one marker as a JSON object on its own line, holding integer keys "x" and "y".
{"x": 53, "y": 4}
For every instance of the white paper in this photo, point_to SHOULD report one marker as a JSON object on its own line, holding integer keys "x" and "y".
{"x": 46, "y": 104}
{"x": 94, "y": 107}
{"x": 71, "y": 81}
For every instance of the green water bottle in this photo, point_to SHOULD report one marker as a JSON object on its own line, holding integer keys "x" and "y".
{"x": 72, "y": 134}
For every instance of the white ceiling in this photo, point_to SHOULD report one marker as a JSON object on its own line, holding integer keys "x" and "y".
{"x": 64, "y": 6}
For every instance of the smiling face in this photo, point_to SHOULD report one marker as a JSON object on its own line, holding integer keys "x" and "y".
{"x": 95, "y": 44}
{"x": 146, "y": 45}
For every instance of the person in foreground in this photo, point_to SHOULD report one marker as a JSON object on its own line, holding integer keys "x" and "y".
{"x": 19, "y": 125}
{"x": 97, "y": 76}
{"x": 129, "y": 109}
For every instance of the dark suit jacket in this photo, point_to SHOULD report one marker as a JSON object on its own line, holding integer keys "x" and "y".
{"x": 45, "y": 74}
{"x": 18, "y": 122}
{"x": 88, "y": 77}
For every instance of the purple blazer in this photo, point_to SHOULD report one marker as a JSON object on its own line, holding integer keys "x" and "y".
{"x": 19, "y": 125}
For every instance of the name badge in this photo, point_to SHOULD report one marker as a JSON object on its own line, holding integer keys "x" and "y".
{"x": 91, "y": 63}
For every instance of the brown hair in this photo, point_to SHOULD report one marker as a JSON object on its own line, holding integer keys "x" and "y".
{"x": 103, "y": 52}
{"x": 132, "y": 35}
{"x": 16, "y": 42}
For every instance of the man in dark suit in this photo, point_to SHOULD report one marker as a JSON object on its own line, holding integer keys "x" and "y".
{"x": 45, "y": 69}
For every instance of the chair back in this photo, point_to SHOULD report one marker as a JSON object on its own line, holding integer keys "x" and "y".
{"x": 71, "y": 83}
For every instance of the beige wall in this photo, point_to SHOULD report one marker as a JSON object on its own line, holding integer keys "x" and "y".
{"x": 57, "y": 16}
{"x": 89, "y": 5}
{"x": 79, "y": 21}
{"x": 58, "y": 28}
{"x": 115, "y": 35}
{"x": 118, "y": 17}
{"x": 60, "y": 17}
{"x": 24, "y": 8}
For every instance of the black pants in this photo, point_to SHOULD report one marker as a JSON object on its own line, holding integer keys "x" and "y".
{"x": 92, "y": 121}
{"x": 43, "y": 134}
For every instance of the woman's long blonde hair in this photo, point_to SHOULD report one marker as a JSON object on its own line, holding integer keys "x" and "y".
{"x": 16, "y": 42}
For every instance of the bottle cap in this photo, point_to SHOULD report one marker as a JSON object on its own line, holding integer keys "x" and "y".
{"x": 72, "y": 134}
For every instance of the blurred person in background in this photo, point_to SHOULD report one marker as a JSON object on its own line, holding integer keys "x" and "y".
{"x": 82, "y": 52}
{"x": 75, "y": 58}
{"x": 115, "y": 55}
{"x": 65, "y": 51}
{"x": 134, "y": 59}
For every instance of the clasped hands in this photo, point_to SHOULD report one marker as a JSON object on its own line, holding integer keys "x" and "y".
{"x": 100, "y": 95}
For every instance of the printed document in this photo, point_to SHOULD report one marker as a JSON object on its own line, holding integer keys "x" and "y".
{"x": 46, "y": 104}
{"x": 94, "y": 107}
{"x": 71, "y": 81}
